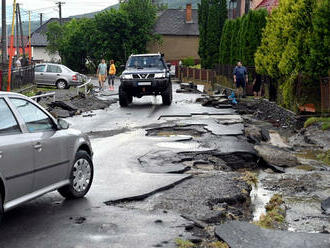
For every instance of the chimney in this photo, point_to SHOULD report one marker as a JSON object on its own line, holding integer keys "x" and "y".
{"x": 189, "y": 13}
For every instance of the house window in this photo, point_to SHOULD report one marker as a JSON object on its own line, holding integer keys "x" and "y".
{"x": 232, "y": 6}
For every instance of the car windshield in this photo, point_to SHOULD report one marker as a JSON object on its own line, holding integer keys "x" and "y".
{"x": 145, "y": 62}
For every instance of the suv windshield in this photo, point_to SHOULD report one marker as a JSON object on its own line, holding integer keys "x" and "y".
{"x": 145, "y": 62}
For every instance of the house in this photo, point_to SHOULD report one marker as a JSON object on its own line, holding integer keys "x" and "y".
{"x": 237, "y": 8}
{"x": 39, "y": 43}
{"x": 268, "y": 4}
{"x": 179, "y": 33}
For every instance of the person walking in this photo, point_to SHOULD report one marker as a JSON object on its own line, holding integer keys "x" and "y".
{"x": 240, "y": 79}
{"x": 102, "y": 73}
{"x": 112, "y": 75}
{"x": 257, "y": 86}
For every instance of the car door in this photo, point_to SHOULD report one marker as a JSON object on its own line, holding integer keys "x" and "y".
{"x": 53, "y": 73}
{"x": 39, "y": 72}
{"x": 16, "y": 155}
{"x": 51, "y": 152}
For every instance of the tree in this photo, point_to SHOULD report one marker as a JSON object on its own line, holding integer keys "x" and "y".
{"x": 217, "y": 16}
{"x": 142, "y": 16}
{"x": 112, "y": 34}
{"x": 225, "y": 43}
{"x": 203, "y": 8}
{"x": 318, "y": 63}
{"x": 235, "y": 51}
{"x": 250, "y": 37}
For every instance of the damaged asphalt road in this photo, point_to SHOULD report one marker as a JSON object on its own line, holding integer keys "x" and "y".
{"x": 161, "y": 173}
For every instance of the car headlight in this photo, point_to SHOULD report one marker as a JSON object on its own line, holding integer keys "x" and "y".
{"x": 127, "y": 76}
{"x": 160, "y": 75}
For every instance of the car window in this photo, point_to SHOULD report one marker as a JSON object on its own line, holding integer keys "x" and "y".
{"x": 54, "y": 69}
{"x": 145, "y": 61}
{"x": 40, "y": 68}
{"x": 8, "y": 123}
{"x": 66, "y": 69}
{"x": 34, "y": 118}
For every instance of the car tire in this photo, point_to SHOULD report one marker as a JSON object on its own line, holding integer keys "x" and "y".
{"x": 123, "y": 98}
{"x": 61, "y": 84}
{"x": 1, "y": 208}
{"x": 167, "y": 95}
{"x": 81, "y": 177}
{"x": 129, "y": 99}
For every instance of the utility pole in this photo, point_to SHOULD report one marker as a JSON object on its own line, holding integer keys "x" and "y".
{"x": 59, "y": 4}
{"x": 17, "y": 31}
{"x": 40, "y": 19}
{"x": 4, "y": 33}
{"x": 21, "y": 28}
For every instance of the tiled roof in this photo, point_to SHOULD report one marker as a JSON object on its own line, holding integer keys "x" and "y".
{"x": 173, "y": 22}
{"x": 39, "y": 37}
{"x": 268, "y": 4}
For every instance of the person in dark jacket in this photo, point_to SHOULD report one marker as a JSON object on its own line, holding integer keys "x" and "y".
{"x": 240, "y": 78}
{"x": 257, "y": 85}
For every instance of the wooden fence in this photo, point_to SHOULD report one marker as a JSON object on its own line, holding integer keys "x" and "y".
{"x": 325, "y": 94}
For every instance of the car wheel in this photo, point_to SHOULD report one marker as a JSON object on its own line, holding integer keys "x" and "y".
{"x": 61, "y": 84}
{"x": 1, "y": 208}
{"x": 167, "y": 95}
{"x": 129, "y": 99}
{"x": 81, "y": 177}
{"x": 123, "y": 98}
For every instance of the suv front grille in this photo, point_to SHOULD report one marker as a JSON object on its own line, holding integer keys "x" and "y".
{"x": 143, "y": 76}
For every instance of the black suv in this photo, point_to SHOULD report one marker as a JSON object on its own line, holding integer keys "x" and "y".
{"x": 145, "y": 74}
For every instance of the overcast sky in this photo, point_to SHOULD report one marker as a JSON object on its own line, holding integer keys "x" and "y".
{"x": 50, "y": 9}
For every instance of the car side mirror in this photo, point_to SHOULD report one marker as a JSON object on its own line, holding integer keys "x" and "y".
{"x": 168, "y": 65}
{"x": 63, "y": 124}
{"x": 122, "y": 66}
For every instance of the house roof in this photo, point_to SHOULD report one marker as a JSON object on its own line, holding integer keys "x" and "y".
{"x": 39, "y": 37}
{"x": 268, "y": 4}
{"x": 173, "y": 22}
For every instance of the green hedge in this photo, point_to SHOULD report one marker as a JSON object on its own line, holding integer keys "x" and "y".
{"x": 241, "y": 38}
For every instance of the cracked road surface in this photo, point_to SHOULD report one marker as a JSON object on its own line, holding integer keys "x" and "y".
{"x": 119, "y": 138}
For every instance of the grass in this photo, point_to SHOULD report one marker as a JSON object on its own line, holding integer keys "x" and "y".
{"x": 275, "y": 214}
{"x": 324, "y": 121}
{"x": 218, "y": 244}
{"x": 34, "y": 91}
{"x": 324, "y": 157}
{"x": 251, "y": 178}
{"x": 180, "y": 243}
{"x": 305, "y": 167}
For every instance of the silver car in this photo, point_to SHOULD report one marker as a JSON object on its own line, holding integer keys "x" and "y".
{"x": 39, "y": 154}
{"x": 57, "y": 75}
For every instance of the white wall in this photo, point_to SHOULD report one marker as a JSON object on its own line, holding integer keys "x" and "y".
{"x": 40, "y": 53}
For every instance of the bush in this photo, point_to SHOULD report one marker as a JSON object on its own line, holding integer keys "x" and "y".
{"x": 189, "y": 61}
{"x": 295, "y": 40}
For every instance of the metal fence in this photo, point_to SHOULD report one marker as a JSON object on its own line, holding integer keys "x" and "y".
{"x": 20, "y": 77}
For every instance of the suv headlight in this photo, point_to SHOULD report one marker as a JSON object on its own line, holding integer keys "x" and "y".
{"x": 127, "y": 76}
{"x": 160, "y": 75}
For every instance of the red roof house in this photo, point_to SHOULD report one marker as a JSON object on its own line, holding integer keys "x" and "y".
{"x": 268, "y": 4}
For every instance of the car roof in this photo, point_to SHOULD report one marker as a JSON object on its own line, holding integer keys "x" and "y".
{"x": 49, "y": 64}
{"x": 6, "y": 93}
{"x": 145, "y": 55}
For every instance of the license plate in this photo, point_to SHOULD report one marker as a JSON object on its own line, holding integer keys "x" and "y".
{"x": 144, "y": 83}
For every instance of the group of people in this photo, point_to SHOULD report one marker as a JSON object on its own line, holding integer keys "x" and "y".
{"x": 241, "y": 79}
{"x": 104, "y": 73}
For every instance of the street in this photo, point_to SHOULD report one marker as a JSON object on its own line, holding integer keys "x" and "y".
{"x": 118, "y": 139}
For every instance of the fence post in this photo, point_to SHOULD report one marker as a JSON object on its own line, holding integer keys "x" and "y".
{"x": 0, "y": 80}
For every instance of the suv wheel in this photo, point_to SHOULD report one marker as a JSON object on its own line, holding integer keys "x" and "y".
{"x": 129, "y": 99}
{"x": 61, "y": 84}
{"x": 1, "y": 208}
{"x": 123, "y": 98}
{"x": 81, "y": 177}
{"x": 167, "y": 95}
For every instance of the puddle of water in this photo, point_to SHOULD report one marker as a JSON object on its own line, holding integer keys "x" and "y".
{"x": 259, "y": 198}
{"x": 276, "y": 139}
{"x": 180, "y": 145}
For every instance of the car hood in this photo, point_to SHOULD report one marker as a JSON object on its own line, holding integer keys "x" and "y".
{"x": 143, "y": 71}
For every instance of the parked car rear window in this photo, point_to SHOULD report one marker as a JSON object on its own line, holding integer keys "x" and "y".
{"x": 8, "y": 123}
{"x": 54, "y": 69}
{"x": 40, "y": 68}
{"x": 35, "y": 119}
